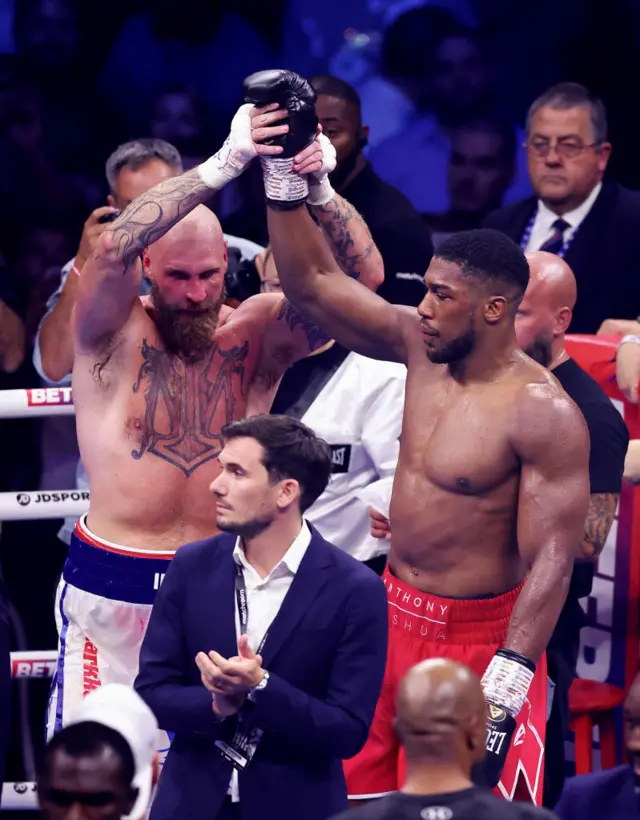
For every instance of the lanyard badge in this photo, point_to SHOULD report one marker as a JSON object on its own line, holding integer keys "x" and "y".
{"x": 245, "y": 741}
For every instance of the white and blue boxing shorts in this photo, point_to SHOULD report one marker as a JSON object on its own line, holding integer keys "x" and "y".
{"x": 103, "y": 604}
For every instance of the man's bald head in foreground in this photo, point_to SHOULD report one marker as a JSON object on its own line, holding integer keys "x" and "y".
{"x": 441, "y": 714}
{"x": 546, "y": 309}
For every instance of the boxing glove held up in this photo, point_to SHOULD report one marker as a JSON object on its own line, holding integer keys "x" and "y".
{"x": 284, "y": 188}
{"x": 505, "y": 684}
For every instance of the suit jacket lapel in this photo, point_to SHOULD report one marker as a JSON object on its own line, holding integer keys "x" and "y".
{"x": 586, "y": 246}
{"x": 309, "y": 581}
{"x": 222, "y": 602}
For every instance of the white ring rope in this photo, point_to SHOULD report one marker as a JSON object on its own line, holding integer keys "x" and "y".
{"x": 27, "y": 506}
{"x": 39, "y": 401}
{"x": 19, "y": 796}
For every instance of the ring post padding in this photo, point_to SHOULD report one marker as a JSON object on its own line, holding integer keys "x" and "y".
{"x": 37, "y": 401}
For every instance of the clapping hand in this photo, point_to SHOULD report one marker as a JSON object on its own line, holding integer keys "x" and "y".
{"x": 231, "y": 678}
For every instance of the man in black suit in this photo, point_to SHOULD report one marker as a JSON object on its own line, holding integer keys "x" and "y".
{"x": 593, "y": 224}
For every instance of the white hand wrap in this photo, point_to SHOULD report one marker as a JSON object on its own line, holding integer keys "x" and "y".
{"x": 280, "y": 182}
{"x": 234, "y": 156}
{"x": 629, "y": 338}
{"x": 320, "y": 189}
{"x": 506, "y": 683}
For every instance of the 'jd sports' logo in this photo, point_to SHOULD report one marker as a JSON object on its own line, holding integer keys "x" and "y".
{"x": 23, "y": 499}
{"x": 497, "y": 713}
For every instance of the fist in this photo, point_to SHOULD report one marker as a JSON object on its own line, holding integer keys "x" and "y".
{"x": 293, "y": 94}
{"x": 619, "y": 327}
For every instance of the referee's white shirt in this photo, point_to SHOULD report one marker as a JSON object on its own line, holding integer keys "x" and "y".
{"x": 359, "y": 413}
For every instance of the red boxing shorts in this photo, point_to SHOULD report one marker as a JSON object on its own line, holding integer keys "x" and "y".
{"x": 424, "y": 626}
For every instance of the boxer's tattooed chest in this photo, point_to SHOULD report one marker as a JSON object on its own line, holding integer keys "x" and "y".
{"x": 187, "y": 405}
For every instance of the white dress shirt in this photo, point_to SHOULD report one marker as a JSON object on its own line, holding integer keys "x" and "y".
{"x": 358, "y": 413}
{"x": 264, "y": 599}
{"x": 542, "y": 226}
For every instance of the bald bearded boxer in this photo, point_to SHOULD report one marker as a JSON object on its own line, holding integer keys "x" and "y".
{"x": 491, "y": 488}
{"x": 154, "y": 382}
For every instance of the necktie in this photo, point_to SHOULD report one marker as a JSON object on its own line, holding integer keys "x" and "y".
{"x": 555, "y": 242}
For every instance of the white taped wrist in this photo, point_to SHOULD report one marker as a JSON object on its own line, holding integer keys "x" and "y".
{"x": 211, "y": 173}
{"x": 321, "y": 193}
{"x": 629, "y": 338}
{"x": 281, "y": 183}
{"x": 506, "y": 683}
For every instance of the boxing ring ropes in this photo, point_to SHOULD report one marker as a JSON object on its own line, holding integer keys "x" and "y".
{"x": 594, "y": 354}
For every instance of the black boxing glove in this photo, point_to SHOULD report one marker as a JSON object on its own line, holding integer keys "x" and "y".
{"x": 284, "y": 188}
{"x": 505, "y": 684}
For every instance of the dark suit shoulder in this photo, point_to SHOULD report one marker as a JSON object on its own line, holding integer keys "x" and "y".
{"x": 209, "y": 551}
{"x": 627, "y": 202}
{"x": 516, "y": 213}
{"x": 602, "y": 781}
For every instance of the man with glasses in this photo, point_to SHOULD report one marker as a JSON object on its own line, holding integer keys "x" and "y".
{"x": 594, "y": 224}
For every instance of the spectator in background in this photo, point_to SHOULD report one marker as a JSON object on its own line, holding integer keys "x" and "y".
{"x": 612, "y": 793}
{"x": 102, "y": 763}
{"x": 355, "y": 404}
{"x": 591, "y": 222}
{"x": 12, "y": 334}
{"x": 179, "y": 116}
{"x": 481, "y": 167}
{"x": 205, "y": 46}
{"x": 59, "y": 55}
{"x": 449, "y": 81}
{"x": 396, "y": 228}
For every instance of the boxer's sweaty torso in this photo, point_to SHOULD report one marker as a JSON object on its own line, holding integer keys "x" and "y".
{"x": 455, "y": 498}
{"x": 149, "y": 426}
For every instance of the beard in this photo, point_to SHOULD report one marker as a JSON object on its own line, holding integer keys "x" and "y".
{"x": 540, "y": 351}
{"x": 455, "y": 350}
{"x": 188, "y": 335}
{"x": 338, "y": 177}
{"x": 246, "y": 529}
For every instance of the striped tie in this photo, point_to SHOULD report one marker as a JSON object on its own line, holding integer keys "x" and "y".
{"x": 555, "y": 242}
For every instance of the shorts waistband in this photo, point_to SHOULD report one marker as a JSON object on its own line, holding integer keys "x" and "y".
{"x": 112, "y": 571}
{"x": 434, "y": 618}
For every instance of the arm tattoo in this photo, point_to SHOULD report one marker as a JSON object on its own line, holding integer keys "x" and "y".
{"x": 314, "y": 335}
{"x": 153, "y": 213}
{"x": 602, "y": 510}
{"x": 348, "y": 234}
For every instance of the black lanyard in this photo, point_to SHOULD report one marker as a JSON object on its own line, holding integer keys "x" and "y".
{"x": 243, "y": 606}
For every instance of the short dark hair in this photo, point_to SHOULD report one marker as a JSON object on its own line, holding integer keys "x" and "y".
{"x": 335, "y": 87}
{"x": 488, "y": 255}
{"x": 135, "y": 154}
{"x": 291, "y": 450}
{"x": 573, "y": 95}
{"x": 87, "y": 739}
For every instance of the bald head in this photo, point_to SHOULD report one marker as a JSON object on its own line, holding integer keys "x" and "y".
{"x": 551, "y": 280}
{"x": 441, "y": 712}
{"x": 201, "y": 227}
{"x": 546, "y": 309}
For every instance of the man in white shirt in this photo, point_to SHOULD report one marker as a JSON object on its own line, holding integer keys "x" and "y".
{"x": 267, "y": 686}
{"x": 592, "y": 222}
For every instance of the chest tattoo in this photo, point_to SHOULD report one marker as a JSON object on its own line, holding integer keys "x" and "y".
{"x": 187, "y": 404}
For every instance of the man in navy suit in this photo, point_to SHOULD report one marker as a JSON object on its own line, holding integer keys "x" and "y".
{"x": 613, "y": 793}
{"x": 593, "y": 224}
{"x": 266, "y": 646}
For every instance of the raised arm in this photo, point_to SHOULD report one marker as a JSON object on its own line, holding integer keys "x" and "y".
{"x": 350, "y": 241}
{"x": 111, "y": 278}
{"x": 552, "y": 442}
{"x": 313, "y": 282}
